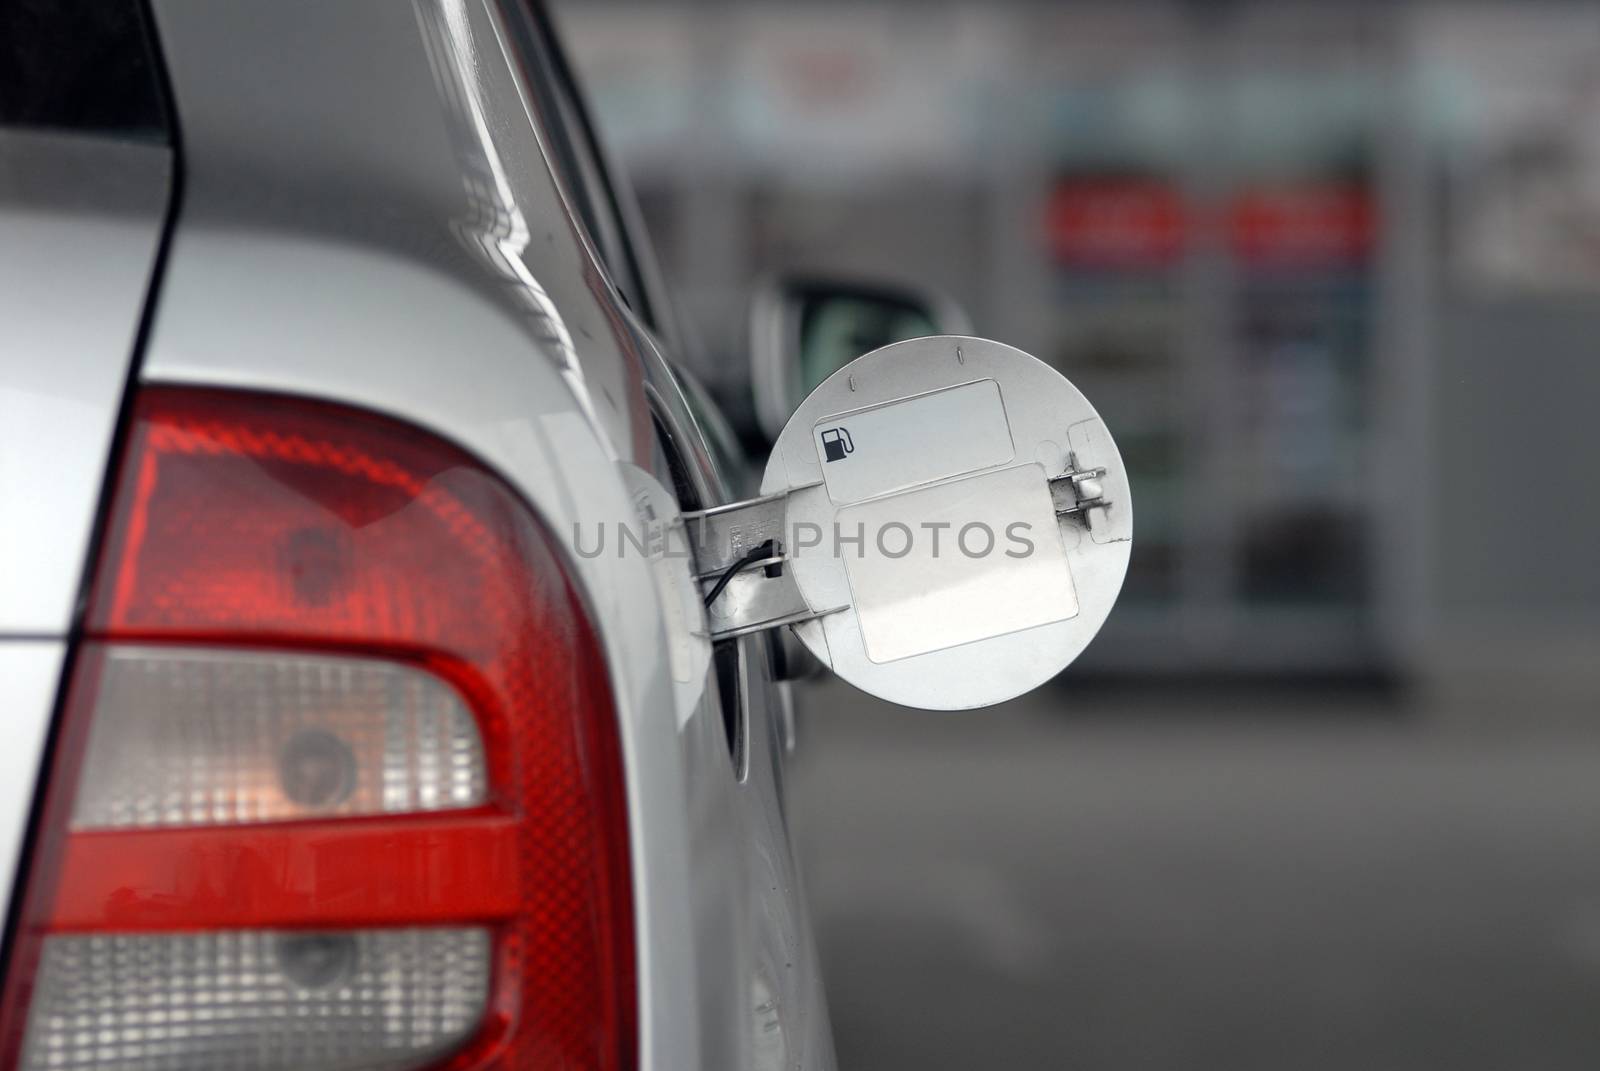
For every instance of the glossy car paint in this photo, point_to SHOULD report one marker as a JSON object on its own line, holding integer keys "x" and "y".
{"x": 79, "y": 216}
{"x": 30, "y": 672}
{"x": 80, "y": 224}
{"x": 370, "y": 216}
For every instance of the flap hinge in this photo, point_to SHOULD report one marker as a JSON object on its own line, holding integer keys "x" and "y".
{"x": 1078, "y": 492}
{"x": 741, "y": 564}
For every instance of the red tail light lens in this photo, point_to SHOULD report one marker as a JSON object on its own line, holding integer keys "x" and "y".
{"x": 338, "y": 780}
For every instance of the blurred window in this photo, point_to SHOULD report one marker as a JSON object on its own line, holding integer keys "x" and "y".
{"x": 835, "y": 329}
{"x": 86, "y": 66}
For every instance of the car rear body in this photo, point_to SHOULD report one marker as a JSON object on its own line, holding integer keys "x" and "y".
{"x": 399, "y": 209}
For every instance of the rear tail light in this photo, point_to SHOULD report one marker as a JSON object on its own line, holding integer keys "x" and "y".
{"x": 196, "y": 736}
{"x": 257, "y": 999}
{"x": 337, "y": 781}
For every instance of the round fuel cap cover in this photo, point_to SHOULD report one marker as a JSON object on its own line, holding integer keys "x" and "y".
{"x": 958, "y": 517}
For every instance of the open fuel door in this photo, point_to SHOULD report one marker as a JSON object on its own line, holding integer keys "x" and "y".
{"x": 944, "y": 522}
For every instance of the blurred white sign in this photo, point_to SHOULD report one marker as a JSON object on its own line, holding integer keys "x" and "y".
{"x": 1517, "y": 90}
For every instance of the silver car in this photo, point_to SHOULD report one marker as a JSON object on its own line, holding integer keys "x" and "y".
{"x": 391, "y": 653}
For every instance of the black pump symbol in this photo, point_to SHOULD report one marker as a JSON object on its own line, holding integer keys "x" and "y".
{"x": 836, "y": 443}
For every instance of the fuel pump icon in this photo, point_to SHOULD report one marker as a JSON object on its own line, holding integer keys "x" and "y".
{"x": 836, "y": 443}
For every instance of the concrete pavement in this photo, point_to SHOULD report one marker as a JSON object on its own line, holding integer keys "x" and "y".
{"x": 1198, "y": 880}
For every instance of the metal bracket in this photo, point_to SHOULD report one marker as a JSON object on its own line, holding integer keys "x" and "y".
{"x": 1079, "y": 492}
{"x": 763, "y": 594}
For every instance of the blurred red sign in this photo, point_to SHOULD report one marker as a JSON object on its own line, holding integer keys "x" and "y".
{"x": 1144, "y": 223}
{"x": 1322, "y": 224}
{"x": 1110, "y": 223}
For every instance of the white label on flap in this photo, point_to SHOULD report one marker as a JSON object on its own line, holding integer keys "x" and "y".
{"x": 913, "y": 441}
{"x": 956, "y": 562}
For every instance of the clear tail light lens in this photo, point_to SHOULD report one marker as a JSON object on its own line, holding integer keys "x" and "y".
{"x": 252, "y": 999}
{"x": 336, "y": 782}
{"x": 202, "y": 737}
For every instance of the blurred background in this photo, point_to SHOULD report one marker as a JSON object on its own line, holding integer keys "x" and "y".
{"x": 1325, "y": 792}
